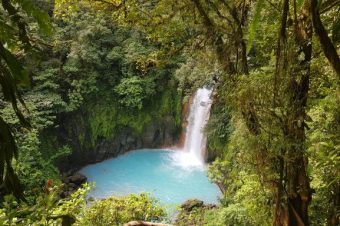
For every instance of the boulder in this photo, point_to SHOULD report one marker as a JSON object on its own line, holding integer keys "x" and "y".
{"x": 72, "y": 185}
{"x": 77, "y": 178}
{"x": 72, "y": 181}
{"x": 190, "y": 204}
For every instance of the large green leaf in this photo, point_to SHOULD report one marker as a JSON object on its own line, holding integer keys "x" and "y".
{"x": 8, "y": 150}
{"x": 19, "y": 73}
{"x": 41, "y": 17}
{"x": 14, "y": 36}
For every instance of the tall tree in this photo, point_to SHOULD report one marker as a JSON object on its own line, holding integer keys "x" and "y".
{"x": 15, "y": 37}
{"x": 295, "y": 181}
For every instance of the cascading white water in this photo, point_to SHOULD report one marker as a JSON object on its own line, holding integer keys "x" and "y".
{"x": 195, "y": 140}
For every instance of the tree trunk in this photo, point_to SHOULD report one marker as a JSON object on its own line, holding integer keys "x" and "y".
{"x": 221, "y": 51}
{"x": 296, "y": 185}
{"x": 240, "y": 42}
{"x": 334, "y": 208}
{"x": 278, "y": 218}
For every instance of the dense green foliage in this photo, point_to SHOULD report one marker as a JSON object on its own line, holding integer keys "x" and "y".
{"x": 15, "y": 36}
{"x": 97, "y": 68}
{"x": 117, "y": 211}
{"x": 273, "y": 134}
{"x": 48, "y": 210}
{"x": 108, "y": 110}
{"x": 51, "y": 210}
{"x": 102, "y": 70}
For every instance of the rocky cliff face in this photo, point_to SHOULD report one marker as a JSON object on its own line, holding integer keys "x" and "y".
{"x": 100, "y": 130}
{"x": 156, "y": 134}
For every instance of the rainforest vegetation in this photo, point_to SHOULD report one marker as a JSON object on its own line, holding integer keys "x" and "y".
{"x": 78, "y": 76}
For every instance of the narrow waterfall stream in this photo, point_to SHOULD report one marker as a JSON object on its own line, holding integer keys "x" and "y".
{"x": 172, "y": 176}
{"x": 193, "y": 153}
{"x": 196, "y": 140}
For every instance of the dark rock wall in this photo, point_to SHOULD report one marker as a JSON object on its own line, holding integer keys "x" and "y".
{"x": 159, "y": 133}
{"x": 90, "y": 144}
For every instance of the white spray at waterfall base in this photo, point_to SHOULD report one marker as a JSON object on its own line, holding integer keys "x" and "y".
{"x": 193, "y": 153}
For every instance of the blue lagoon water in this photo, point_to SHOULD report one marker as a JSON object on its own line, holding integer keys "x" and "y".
{"x": 170, "y": 176}
{"x": 153, "y": 171}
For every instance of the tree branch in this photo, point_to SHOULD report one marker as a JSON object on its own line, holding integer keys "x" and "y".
{"x": 326, "y": 43}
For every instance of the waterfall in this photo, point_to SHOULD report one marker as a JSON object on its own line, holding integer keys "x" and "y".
{"x": 195, "y": 140}
{"x": 193, "y": 152}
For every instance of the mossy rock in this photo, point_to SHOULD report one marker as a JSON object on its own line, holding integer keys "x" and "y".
{"x": 190, "y": 204}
